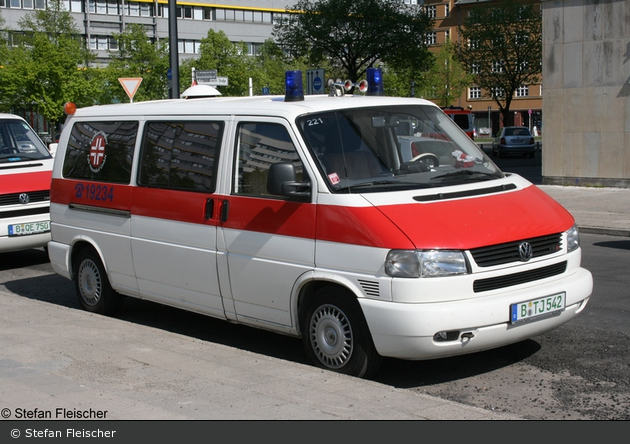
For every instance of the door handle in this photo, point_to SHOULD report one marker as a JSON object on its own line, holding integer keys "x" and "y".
{"x": 225, "y": 209}
{"x": 209, "y": 211}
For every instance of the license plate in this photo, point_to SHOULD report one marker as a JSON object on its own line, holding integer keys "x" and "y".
{"x": 536, "y": 309}
{"x": 30, "y": 228}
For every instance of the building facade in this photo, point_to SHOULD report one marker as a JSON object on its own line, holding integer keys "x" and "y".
{"x": 241, "y": 20}
{"x": 527, "y": 102}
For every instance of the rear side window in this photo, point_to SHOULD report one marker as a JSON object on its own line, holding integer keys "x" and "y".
{"x": 461, "y": 120}
{"x": 180, "y": 155}
{"x": 101, "y": 151}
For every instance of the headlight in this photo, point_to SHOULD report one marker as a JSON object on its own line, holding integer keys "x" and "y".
{"x": 573, "y": 239}
{"x": 429, "y": 263}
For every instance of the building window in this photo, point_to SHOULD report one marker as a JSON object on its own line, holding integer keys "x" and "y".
{"x": 431, "y": 10}
{"x": 474, "y": 68}
{"x": 498, "y": 92}
{"x": 447, "y": 11}
{"x": 474, "y": 92}
{"x": 497, "y": 66}
{"x": 431, "y": 38}
{"x": 522, "y": 91}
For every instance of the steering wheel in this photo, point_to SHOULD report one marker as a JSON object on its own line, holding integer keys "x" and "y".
{"x": 427, "y": 158}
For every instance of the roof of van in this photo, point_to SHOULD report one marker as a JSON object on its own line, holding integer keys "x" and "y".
{"x": 256, "y": 105}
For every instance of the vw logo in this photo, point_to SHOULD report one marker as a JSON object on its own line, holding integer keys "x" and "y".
{"x": 525, "y": 251}
{"x": 24, "y": 198}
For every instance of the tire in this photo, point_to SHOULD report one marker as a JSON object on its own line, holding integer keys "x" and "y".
{"x": 335, "y": 335}
{"x": 92, "y": 285}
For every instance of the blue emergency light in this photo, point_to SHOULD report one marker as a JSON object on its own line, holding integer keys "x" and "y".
{"x": 294, "y": 91}
{"x": 375, "y": 82}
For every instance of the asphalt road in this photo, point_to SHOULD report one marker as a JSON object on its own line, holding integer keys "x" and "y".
{"x": 579, "y": 371}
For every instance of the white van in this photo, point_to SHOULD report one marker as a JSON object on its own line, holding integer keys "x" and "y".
{"x": 299, "y": 215}
{"x": 25, "y": 175}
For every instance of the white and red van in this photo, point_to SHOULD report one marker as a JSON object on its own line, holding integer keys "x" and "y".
{"x": 301, "y": 215}
{"x": 25, "y": 176}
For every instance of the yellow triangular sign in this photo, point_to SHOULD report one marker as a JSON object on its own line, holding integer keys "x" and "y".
{"x": 130, "y": 85}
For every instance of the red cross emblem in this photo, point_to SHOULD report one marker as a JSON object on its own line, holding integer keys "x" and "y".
{"x": 97, "y": 151}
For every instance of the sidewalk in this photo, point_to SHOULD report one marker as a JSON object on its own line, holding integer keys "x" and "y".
{"x": 596, "y": 210}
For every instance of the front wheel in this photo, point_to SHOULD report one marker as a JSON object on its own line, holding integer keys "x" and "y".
{"x": 335, "y": 334}
{"x": 94, "y": 291}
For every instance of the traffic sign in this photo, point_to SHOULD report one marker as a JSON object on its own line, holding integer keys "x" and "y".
{"x": 219, "y": 81}
{"x": 130, "y": 85}
{"x": 205, "y": 76}
{"x": 315, "y": 81}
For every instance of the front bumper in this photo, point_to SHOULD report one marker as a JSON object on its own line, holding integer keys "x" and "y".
{"x": 406, "y": 330}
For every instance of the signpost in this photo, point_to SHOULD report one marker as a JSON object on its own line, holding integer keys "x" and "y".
{"x": 315, "y": 81}
{"x": 209, "y": 77}
{"x": 130, "y": 85}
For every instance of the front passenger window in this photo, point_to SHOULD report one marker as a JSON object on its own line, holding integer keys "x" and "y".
{"x": 259, "y": 145}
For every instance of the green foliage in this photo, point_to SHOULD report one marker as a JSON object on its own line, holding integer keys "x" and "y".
{"x": 50, "y": 68}
{"x": 503, "y": 42}
{"x": 447, "y": 78}
{"x": 353, "y": 35}
{"x": 229, "y": 59}
{"x": 137, "y": 56}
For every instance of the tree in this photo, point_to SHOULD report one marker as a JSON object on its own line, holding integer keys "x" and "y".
{"x": 502, "y": 46}
{"x": 230, "y": 60}
{"x": 447, "y": 78}
{"x": 354, "y": 35}
{"x": 51, "y": 67}
{"x": 138, "y": 56}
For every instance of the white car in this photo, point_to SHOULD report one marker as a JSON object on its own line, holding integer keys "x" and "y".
{"x": 25, "y": 175}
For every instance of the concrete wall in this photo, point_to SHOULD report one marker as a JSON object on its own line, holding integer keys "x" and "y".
{"x": 586, "y": 89}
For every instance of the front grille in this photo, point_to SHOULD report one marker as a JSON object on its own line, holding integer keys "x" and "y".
{"x": 519, "y": 278}
{"x": 25, "y": 212}
{"x": 34, "y": 197}
{"x": 505, "y": 253}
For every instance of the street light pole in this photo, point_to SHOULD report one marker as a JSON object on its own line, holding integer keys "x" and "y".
{"x": 172, "y": 46}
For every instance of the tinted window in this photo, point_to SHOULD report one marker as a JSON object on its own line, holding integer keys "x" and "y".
{"x": 180, "y": 155}
{"x": 101, "y": 151}
{"x": 259, "y": 146}
{"x": 19, "y": 142}
{"x": 461, "y": 120}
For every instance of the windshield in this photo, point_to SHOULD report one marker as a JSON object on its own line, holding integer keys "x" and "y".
{"x": 395, "y": 147}
{"x": 18, "y": 142}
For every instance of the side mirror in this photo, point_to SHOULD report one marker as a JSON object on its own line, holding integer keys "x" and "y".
{"x": 281, "y": 181}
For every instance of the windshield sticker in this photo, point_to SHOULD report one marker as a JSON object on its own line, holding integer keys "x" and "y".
{"x": 334, "y": 179}
{"x": 97, "y": 156}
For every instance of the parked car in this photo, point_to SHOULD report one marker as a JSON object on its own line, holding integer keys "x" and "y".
{"x": 514, "y": 140}
{"x": 25, "y": 175}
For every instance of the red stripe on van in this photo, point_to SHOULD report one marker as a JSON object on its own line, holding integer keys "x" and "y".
{"x": 97, "y": 194}
{"x": 360, "y": 226}
{"x": 25, "y": 182}
{"x": 271, "y": 216}
{"x": 183, "y": 206}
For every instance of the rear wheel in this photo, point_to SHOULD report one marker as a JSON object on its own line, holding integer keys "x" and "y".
{"x": 335, "y": 334}
{"x": 94, "y": 291}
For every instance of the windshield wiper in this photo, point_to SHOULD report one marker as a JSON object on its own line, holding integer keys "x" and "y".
{"x": 375, "y": 183}
{"x": 469, "y": 173}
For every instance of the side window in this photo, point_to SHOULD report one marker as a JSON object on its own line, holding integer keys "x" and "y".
{"x": 259, "y": 145}
{"x": 180, "y": 155}
{"x": 101, "y": 151}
